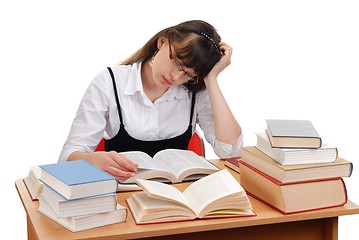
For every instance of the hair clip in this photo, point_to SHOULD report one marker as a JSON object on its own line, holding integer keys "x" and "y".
{"x": 213, "y": 42}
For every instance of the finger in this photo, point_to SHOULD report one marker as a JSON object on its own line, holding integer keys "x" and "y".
{"x": 113, "y": 167}
{"x": 124, "y": 162}
{"x": 226, "y": 50}
{"x": 120, "y": 174}
{"x": 224, "y": 46}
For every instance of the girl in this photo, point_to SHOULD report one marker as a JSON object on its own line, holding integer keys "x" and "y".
{"x": 154, "y": 99}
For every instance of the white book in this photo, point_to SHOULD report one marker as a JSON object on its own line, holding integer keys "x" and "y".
{"x": 84, "y": 222}
{"x": 288, "y": 156}
{"x": 77, "y": 207}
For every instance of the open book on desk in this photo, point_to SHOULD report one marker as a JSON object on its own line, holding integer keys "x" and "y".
{"x": 214, "y": 196}
{"x": 170, "y": 165}
{"x": 33, "y": 184}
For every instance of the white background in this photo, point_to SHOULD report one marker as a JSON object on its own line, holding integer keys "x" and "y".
{"x": 291, "y": 59}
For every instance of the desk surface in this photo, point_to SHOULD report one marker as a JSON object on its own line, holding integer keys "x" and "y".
{"x": 46, "y": 228}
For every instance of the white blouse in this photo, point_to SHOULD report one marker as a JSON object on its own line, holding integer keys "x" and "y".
{"x": 97, "y": 116}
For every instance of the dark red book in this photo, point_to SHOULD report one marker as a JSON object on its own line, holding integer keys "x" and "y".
{"x": 232, "y": 163}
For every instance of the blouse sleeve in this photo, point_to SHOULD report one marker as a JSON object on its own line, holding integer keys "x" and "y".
{"x": 205, "y": 120}
{"x": 90, "y": 121}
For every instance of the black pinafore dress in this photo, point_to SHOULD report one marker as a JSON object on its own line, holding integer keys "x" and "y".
{"x": 123, "y": 142}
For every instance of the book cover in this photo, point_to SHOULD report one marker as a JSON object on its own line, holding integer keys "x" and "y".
{"x": 77, "y": 179}
{"x": 76, "y": 172}
{"x": 293, "y": 133}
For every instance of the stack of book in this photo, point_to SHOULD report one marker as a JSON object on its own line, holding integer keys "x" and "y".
{"x": 79, "y": 196}
{"x": 294, "y": 177}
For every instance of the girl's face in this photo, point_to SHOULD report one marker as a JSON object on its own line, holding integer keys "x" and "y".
{"x": 167, "y": 70}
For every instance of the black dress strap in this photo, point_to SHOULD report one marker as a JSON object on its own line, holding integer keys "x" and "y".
{"x": 192, "y": 108}
{"x": 116, "y": 95}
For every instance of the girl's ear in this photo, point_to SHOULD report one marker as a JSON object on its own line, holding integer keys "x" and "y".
{"x": 161, "y": 41}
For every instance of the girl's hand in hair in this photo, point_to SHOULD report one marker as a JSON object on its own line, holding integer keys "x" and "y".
{"x": 224, "y": 62}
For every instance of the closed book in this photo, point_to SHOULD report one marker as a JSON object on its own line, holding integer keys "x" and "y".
{"x": 77, "y": 207}
{"x": 289, "y": 156}
{"x": 84, "y": 222}
{"x": 293, "y": 133}
{"x": 77, "y": 179}
{"x": 289, "y": 198}
{"x": 232, "y": 163}
{"x": 298, "y": 172}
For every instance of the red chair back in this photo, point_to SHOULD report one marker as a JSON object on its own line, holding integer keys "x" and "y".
{"x": 196, "y": 144}
{"x": 100, "y": 146}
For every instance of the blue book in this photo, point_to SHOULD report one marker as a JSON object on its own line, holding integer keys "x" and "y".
{"x": 77, "y": 179}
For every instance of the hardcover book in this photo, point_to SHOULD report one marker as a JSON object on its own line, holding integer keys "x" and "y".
{"x": 77, "y": 179}
{"x": 205, "y": 198}
{"x": 289, "y": 156}
{"x": 298, "y": 172}
{"x": 78, "y": 207}
{"x": 293, "y": 134}
{"x": 84, "y": 222}
{"x": 232, "y": 163}
{"x": 294, "y": 197}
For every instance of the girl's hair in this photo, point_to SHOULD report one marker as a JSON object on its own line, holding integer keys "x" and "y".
{"x": 195, "y": 43}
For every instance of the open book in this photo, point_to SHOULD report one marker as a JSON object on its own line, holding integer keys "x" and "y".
{"x": 32, "y": 182}
{"x": 214, "y": 196}
{"x": 170, "y": 165}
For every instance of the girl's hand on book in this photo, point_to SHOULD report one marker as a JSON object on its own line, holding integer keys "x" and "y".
{"x": 113, "y": 163}
{"x": 118, "y": 165}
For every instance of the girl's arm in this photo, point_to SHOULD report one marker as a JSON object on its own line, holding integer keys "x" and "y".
{"x": 227, "y": 129}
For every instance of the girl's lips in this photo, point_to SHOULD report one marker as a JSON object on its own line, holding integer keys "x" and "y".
{"x": 167, "y": 82}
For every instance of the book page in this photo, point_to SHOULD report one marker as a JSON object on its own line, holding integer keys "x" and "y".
{"x": 150, "y": 210}
{"x": 210, "y": 188}
{"x": 162, "y": 191}
{"x": 153, "y": 174}
{"x": 181, "y": 160}
{"x": 143, "y": 160}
